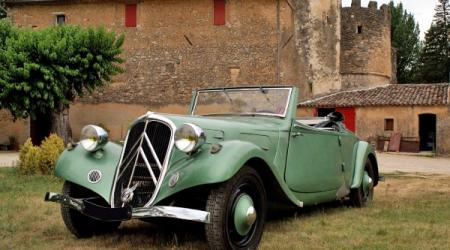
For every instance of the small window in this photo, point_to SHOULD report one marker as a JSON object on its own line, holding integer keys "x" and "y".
{"x": 219, "y": 12}
{"x": 60, "y": 19}
{"x": 359, "y": 30}
{"x": 389, "y": 124}
{"x": 130, "y": 15}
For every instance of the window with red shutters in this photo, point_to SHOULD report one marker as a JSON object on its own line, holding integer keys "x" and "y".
{"x": 130, "y": 15}
{"x": 219, "y": 12}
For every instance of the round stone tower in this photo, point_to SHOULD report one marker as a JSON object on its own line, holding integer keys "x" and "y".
{"x": 366, "y": 53}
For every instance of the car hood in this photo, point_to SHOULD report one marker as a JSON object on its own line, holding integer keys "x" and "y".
{"x": 248, "y": 124}
{"x": 261, "y": 131}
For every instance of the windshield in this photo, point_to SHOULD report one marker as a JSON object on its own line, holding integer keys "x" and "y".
{"x": 245, "y": 101}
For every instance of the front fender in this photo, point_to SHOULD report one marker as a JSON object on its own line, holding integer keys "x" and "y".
{"x": 207, "y": 168}
{"x": 363, "y": 151}
{"x": 74, "y": 166}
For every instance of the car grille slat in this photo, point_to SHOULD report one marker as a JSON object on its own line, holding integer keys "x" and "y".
{"x": 143, "y": 161}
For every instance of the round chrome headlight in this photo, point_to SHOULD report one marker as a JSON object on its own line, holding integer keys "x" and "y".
{"x": 93, "y": 138}
{"x": 189, "y": 137}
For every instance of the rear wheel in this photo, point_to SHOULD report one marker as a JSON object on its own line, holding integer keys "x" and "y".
{"x": 237, "y": 212}
{"x": 78, "y": 224}
{"x": 363, "y": 195}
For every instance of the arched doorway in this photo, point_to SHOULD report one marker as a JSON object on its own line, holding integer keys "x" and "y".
{"x": 427, "y": 132}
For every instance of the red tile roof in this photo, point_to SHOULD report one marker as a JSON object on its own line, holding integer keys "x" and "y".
{"x": 389, "y": 95}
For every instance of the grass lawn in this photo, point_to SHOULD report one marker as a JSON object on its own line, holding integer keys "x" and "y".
{"x": 409, "y": 212}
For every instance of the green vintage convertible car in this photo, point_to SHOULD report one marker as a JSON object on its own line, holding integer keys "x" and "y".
{"x": 238, "y": 150}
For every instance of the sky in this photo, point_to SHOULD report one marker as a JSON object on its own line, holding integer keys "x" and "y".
{"x": 423, "y": 10}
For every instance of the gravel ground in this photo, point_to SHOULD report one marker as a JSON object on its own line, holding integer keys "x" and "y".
{"x": 406, "y": 163}
{"x": 9, "y": 159}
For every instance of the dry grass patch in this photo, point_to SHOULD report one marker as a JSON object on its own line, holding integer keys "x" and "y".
{"x": 409, "y": 212}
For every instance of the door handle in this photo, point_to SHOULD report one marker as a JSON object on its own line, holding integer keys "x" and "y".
{"x": 295, "y": 134}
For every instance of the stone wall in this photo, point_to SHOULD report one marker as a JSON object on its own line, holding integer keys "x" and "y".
{"x": 305, "y": 112}
{"x": 366, "y": 46}
{"x": 176, "y": 48}
{"x": 20, "y": 129}
{"x": 370, "y": 123}
{"x": 443, "y": 133}
{"x": 317, "y": 37}
{"x": 115, "y": 117}
{"x": 362, "y": 80}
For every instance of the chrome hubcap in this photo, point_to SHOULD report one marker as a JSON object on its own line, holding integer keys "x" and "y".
{"x": 367, "y": 186}
{"x": 251, "y": 216}
{"x": 244, "y": 214}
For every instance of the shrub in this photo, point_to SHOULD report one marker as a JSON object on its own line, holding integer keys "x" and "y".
{"x": 34, "y": 159}
{"x": 29, "y": 158}
{"x": 50, "y": 150}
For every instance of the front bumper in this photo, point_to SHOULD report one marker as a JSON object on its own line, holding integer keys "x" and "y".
{"x": 88, "y": 208}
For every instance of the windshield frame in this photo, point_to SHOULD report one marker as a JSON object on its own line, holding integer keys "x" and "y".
{"x": 286, "y": 109}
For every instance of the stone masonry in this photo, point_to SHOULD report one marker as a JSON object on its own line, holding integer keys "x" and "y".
{"x": 366, "y": 57}
{"x": 176, "y": 48}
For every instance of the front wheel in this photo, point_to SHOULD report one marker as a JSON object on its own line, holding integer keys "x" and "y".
{"x": 237, "y": 212}
{"x": 363, "y": 195}
{"x": 78, "y": 224}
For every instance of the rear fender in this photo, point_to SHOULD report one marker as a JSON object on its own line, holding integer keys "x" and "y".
{"x": 363, "y": 151}
{"x": 74, "y": 166}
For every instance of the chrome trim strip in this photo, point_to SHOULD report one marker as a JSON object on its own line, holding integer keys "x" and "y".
{"x": 153, "y": 116}
{"x": 248, "y": 89}
{"x": 126, "y": 159}
{"x": 137, "y": 157}
{"x": 113, "y": 189}
{"x": 116, "y": 214}
{"x": 149, "y": 167}
{"x": 152, "y": 150}
{"x": 76, "y": 204}
{"x": 172, "y": 212}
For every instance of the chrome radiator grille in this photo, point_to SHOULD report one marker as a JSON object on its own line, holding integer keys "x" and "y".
{"x": 143, "y": 162}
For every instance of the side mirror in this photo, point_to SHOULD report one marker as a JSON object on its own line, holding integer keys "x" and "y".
{"x": 336, "y": 117}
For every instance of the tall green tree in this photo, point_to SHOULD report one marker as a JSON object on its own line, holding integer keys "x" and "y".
{"x": 42, "y": 71}
{"x": 434, "y": 59}
{"x": 406, "y": 40}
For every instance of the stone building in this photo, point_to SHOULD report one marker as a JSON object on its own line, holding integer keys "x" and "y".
{"x": 420, "y": 113}
{"x": 340, "y": 58}
{"x": 175, "y": 46}
{"x": 366, "y": 46}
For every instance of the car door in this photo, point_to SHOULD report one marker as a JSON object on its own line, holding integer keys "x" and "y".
{"x": 348, "y": 148}
{"x": 314, "y": 161}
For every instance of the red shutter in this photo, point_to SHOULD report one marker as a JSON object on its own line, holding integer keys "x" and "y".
{"x": 350, "y": 117}
{"x": 130, "y": 15}
{"x": 219, "y": 12}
